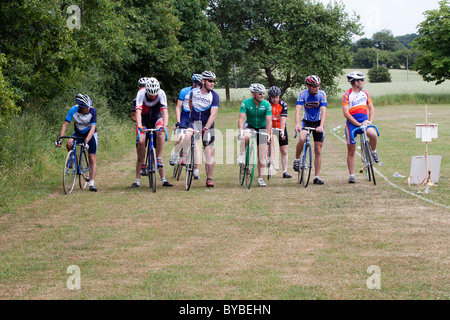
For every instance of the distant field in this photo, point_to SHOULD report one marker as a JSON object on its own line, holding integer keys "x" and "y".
{"x": 403, "y": 82}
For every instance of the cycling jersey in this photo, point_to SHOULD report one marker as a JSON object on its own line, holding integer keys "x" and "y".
{"x": 256, "y": 116}
{"x": 150, "y": 107}
{"x": 311, "y": 104}
{"x": 184, "y": 96}
{"x": 357, "y": 103}
{"x": 202, "y": 104}
{"x": 82, "y": 122}
{"x": 278, "y": 110}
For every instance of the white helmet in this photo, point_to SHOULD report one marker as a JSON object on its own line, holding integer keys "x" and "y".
{"x": 142, "y": 81}
{"x": 355, "y": 75}
{"x": 208, "y": 75}
{"x": 152, "y": 86}
{"x": 257, "y": 88}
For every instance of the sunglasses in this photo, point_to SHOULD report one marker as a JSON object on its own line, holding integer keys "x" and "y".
{"x": 315, "y": 86}
{"x": 211, "y": 81}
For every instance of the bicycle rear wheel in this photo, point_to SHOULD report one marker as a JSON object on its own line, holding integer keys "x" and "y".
{"x": 250, "y": 162}
{"x": 83, "y": 175}
{"x": 70, "y": 172}
{"x": 152, "y": 169}
{"x": 307, "y": 165}
{"x": 189, "y": 168}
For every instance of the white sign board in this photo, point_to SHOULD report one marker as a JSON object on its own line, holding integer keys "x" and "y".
{"x": 419, "y": 167}
{"x": 426, "y": 132}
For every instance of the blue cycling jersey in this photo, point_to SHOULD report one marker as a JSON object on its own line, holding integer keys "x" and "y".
{"x": 184, "y": 96}
{"x": 82, "y": 122}
{"x": 311, "y": 104}
{"x": 202, "y": 104}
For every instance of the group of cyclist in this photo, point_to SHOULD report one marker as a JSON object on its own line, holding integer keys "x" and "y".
{"x": 196, "y": 111}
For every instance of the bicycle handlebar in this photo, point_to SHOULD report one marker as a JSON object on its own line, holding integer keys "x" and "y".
{"x": 304, "y": 128}
{"x": 364, "y": 128}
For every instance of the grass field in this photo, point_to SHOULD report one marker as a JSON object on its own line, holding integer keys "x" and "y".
{"x": 403, "y": 83}
{"x": 278, "y": 242}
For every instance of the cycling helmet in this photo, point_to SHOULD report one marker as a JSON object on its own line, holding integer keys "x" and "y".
{"x": 208, "y": 75}
{"x": 152, "y": 86}
{"x": 83, "y": 100}
{"x": 257, "y": 88}
{"x": 355, "y": 75}
{"x": 274, "y": 91}
{"x": 142, "y": 81}
{"x": 196, "y": 78}
{"x": 312, "y": 80}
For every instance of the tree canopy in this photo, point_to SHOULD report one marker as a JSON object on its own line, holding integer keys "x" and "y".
{"x": 433, "y": 63}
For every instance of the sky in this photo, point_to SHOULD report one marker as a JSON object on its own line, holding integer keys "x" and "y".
{"x": 399, "y": 16}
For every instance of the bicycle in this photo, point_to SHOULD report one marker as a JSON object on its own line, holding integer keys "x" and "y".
{"x": 190, "y": 159}
{"x": 247, "y": 169}
{"x": 150, "y": 158}
{"x": 178, "y": 166}
{"x": 270, "y": 153}
{"x": 304, "y": 174}
{"x": 75, "y": 166}
{"x": 366, "y": 151}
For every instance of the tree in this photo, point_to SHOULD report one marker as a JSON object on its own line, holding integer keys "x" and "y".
{"x": 380, "y": 74}
{"x": 365, "y": 43}
{"x": 407, "y": 39}
{"x": 433, "y": 42}
{"x": 288, "y": 40}
{"x": 385, "y": 40}
{"x": 365, "y": 58}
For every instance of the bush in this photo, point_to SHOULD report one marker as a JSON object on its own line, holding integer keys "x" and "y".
{"x": 379, "y": 75}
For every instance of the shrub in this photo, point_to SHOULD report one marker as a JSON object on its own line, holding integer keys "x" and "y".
{"x": 379, "y": 75}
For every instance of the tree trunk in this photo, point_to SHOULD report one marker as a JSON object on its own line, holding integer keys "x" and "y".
{"x": 227, "y": 92}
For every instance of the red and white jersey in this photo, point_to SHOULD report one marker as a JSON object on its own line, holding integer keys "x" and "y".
{"x": 151, "y": 107}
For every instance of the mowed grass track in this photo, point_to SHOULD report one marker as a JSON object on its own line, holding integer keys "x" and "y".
{"x": 278, "y": 242}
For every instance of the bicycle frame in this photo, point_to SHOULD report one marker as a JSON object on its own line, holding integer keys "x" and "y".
{"x": 151, "y": 165}
{"x": 250, "y": 158}
{"x": 366, "y": 151}
{"x": 190, "y": 160}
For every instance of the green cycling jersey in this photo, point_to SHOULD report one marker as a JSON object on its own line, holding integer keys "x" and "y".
{"x": 256, "y": 115}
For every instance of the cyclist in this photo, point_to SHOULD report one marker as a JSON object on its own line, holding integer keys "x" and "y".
{"x": 183, "y": 113}
{"x": 279, "y": 117}
{"x": 84, "y": 117}
{"x": 141, "y": 84}
{"x": 314, "y": 104}
{"x": 204, "y": 106}
{"x": 256, "y": 114}
{"x": 355, "y": 104}
{"x": 152, "y": 113}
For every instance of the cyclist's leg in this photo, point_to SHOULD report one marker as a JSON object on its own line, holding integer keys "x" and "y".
{"x": 373, "y": 138}
{"x": 351, "y": 147}
{"x": 140, "y": 151}
{"x": 92, "y": 155}
{"x": 319, "y": 137}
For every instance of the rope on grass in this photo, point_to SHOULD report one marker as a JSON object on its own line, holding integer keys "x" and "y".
{"x": 393, "y": 184}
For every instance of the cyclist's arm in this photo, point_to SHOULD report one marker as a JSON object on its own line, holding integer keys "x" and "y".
{"x": 90, "y": 134}
{"x": 349, "y": 117}
{"x": 64, "y": 128}
{"x": 371, "y": 111}
{"x": 283, "y": 123}
{"x": 298, "y": 125}
{"x": 269, "y": 125}
{"x": 139, "y": 117}
{"x": 323, "y": 115}
{"x": 178, "y": 109}
{"x": 241, "y": 121}
{"x": 212, "y": 117}
{"x": 165, "y": 114}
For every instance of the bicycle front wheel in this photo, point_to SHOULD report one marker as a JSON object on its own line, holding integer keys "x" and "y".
{"x": 250, "y": 162}
{"x": 70, "y": 172}
{"x": 307, "y": 165}
{"x": 83, "y": 175}
{"x": 152, "y": 169}
{"x": 365, "y": 158}
{"x": 189, "y": 168}
{"x": 370, "y": 161}
{"x": 269, "y": 160}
